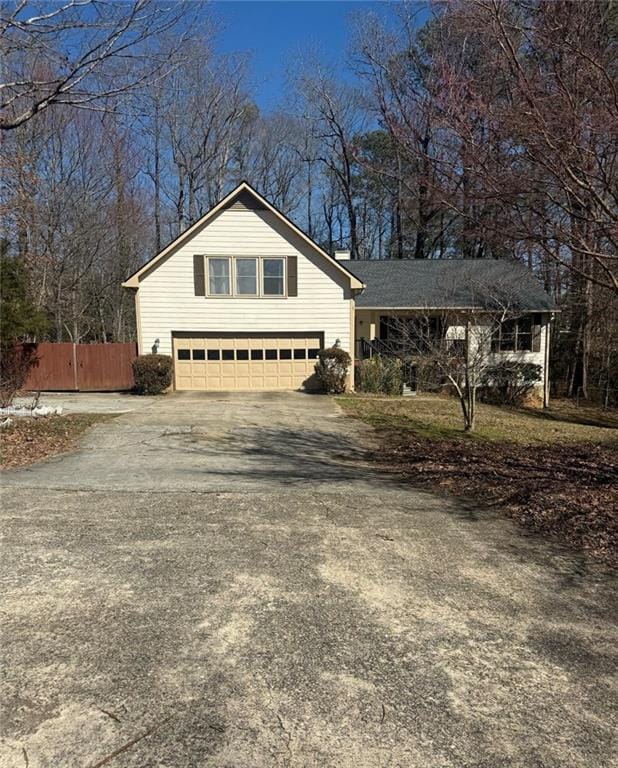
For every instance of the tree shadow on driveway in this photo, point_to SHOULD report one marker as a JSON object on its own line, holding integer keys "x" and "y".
{"x": 283, "y": 455}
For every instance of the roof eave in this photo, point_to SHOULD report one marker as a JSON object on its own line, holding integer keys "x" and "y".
{"x": 431, "y": 308}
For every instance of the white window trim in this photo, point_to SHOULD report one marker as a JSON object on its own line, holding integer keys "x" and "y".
{"x": 230, "y": 277}
{"x": 285, "y": 278}
{"x": 233, "y": 294}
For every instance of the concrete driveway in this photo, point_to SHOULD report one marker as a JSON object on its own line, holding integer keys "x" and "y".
{"x": 224, "y": 581}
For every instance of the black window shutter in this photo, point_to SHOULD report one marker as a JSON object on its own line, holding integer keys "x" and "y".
{"x": 292, "y": 275}
{"x": 199, "y": 283}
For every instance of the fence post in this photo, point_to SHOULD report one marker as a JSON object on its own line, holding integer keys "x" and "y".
{"x": 75, "y": 382}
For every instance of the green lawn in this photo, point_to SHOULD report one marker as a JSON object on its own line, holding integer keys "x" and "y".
{"x": 437, "y": 417}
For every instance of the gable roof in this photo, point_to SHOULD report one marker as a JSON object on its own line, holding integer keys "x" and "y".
{"x": 247, "y": 197}
{"x": 448, "y": 284}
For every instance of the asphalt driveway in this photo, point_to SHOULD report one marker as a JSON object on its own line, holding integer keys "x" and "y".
{"x": 227, "y": 577}
{"x": 210, "y": 442}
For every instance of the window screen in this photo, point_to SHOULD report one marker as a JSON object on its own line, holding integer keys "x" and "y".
{"x": 219, "y": 277}
{"x": 524, "y": 335}
{"x": 273, "y": 277}
{"x": 507, "y": 336}
{"x": 246, "y": 277}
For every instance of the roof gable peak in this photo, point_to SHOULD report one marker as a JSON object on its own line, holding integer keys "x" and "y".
{"x": 248, "y": 198}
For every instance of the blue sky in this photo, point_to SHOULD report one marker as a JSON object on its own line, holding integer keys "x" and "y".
{"x": 276, "y": 33}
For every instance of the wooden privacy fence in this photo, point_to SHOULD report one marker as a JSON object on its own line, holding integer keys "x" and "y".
{"x": 82, "y": 367}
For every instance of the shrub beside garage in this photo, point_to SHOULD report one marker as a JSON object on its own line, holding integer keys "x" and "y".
{"x": 152, "y": 374}
{"x": 379, "y": 375}
{"x": 332, "y": 369}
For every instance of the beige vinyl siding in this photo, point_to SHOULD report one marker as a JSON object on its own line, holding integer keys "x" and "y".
{"x": 168, "y": 304}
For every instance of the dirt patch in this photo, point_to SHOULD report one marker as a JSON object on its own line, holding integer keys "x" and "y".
{"x": 29, "y": 440}
{"x": 569, "y": 491}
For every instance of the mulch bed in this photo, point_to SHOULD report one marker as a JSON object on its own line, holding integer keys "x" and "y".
{"x": 32, "y": 439}
{"x": 568, "y": 491}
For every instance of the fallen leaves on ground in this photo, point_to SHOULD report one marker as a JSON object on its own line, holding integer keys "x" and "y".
{"x": 32, "y": 439}
{"x": 570, "y": 491}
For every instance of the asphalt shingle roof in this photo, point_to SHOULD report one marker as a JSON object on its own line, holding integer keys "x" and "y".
{"x": 448, "y": 283}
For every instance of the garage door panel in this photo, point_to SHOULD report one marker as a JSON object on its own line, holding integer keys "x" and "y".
{"x": 244, "y": 362}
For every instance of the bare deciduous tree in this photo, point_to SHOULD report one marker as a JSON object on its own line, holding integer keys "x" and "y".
{"x": 456, "y": 345}
{"x": 82, "y": 53}
{"x": 334, "y": 113}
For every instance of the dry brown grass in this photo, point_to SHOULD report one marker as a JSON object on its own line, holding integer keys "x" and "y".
{"x": 31, "y": 439}
{"x": 554, "y": 471}
{"x": 437, "y": 417}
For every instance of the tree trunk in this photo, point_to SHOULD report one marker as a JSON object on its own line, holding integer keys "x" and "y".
{"x": 398, "y": 207}
{"x": 470, "y": 388}
{"x": 309, "y": 201}
{"x": 354, "y": 252}
{"x": 157, "y": 178}
{"x": 180, "y": 203}
{"x": 420, "y": 247}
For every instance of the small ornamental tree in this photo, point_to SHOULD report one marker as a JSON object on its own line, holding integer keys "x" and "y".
{"x": 455, "y": 347}
{"x": 332, "y": 369}
{"x": 152, "y": 374}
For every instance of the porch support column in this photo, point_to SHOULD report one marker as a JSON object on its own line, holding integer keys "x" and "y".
{"x": 372, "y": 325}
{"x": 548, "y": 319}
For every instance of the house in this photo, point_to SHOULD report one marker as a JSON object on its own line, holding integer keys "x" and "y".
{"x": 244, "y": 299}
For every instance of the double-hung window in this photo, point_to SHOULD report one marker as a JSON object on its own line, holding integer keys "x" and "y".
{"x": 513, "y": 336}
{"x": 272, "y": 277}
{"x": 246, "y": 277}
{"x": 219, "y": 277}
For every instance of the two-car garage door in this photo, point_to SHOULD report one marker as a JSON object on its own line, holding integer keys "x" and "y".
{"x": 242, "y": 362}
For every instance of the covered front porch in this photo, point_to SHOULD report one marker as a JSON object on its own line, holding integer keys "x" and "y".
{"x": 376, "y": 334}
{"x": 387, "y": 332}
{"x": 415, "y": 336}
